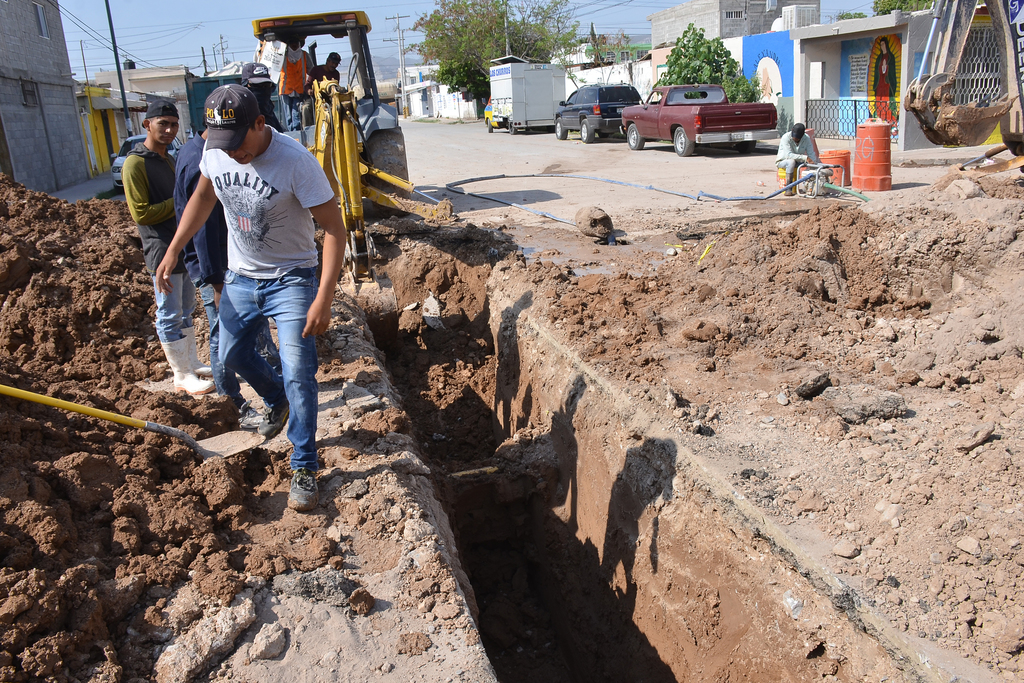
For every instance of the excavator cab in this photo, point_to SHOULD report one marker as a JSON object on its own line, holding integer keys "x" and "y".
{"x": 358, "y": 142}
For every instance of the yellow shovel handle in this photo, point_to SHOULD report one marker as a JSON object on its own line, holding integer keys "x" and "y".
{"x": 74, "y": 407}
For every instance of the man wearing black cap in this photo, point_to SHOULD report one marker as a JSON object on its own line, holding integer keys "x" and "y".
{"x": 271, "y": 189}
{"x": 327, "y": 71}
{"x": 148, "y": 175}
{"x": 256, "y": 77}
{"x": 795, "y": 148}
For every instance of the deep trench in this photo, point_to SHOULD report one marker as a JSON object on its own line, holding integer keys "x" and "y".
{"x": 528, "y": 573}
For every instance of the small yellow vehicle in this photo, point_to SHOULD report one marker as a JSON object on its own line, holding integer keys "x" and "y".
{"x": 358, "y": 142}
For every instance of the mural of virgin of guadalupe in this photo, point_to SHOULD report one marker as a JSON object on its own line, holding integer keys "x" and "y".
{"x": 885, "y": 88}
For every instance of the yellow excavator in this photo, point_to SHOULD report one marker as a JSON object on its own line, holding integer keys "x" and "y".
{"x": 358, "y": 142}
{"x": 931, "y": 97}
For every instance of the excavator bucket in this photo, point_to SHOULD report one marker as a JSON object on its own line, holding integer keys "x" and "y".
{"x": 945, "y": 123}
{"x": 932, "y": 96}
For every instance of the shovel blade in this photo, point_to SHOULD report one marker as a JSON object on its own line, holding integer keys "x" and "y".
{"x": 229, "y": 443}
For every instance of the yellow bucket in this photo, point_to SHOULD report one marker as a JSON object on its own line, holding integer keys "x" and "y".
{"x": 782, "y": 177}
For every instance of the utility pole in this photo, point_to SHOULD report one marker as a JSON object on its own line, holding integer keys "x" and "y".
{"x": 401, "y": 59}
{"x": 508, "y": 47}
{"x": 223, "y": 60}
{"x": 206, "y": 69}
{"x": 88, "y": 98}
{"x": 120, "y": 79}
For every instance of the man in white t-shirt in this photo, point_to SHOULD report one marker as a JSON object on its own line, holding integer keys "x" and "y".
{"x": 271, "y": 188}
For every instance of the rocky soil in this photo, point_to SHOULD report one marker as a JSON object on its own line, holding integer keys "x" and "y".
{"x": 124, "y": 557}
{"x": 855, "y": 371}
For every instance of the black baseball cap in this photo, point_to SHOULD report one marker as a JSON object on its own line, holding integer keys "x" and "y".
{"x": 230, "y": 112}
{"x": 255, "y": 73}
{"x": 161, "y": 106}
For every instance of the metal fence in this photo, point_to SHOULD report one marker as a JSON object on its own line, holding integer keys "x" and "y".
{"x": 839, "y": 118}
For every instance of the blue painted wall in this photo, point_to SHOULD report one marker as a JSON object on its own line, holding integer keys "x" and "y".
{"x": 778, "y": 46}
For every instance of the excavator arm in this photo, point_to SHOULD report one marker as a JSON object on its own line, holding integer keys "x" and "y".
{"x": 930, "y": 96}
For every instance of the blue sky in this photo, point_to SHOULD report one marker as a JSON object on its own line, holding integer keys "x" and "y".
{"x": 172, "y": 34}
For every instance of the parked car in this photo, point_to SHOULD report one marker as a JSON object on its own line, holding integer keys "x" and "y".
{"x": 594, "y": 110}
{"x": 115, "y": 168}
{"x": 691, "y": 115}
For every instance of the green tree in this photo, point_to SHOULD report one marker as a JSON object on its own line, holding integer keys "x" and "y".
{"x": 743, "y": 89}
{"x": 699, "y": 60}
{"x": 463, "y": 36}
{"x": 842, "y": 16}
{"x": 880, "y": 7}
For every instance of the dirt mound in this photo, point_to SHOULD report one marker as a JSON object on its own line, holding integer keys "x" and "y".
{"x": 916, "y": 293}
{"x": 100, "y": 520}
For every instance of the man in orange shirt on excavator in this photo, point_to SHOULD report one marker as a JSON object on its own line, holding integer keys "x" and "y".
{"x": 292, "y": 86}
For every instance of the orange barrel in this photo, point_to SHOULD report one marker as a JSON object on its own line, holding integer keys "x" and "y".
{"x": 838, "y": 157}
{"x": 872, "y": 167}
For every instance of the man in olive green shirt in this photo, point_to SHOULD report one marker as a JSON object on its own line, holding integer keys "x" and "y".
{"x": 148, "y": 176}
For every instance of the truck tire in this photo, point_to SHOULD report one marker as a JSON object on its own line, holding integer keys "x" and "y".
{"x": 586, "y": 132}
{"x": 386, "y": 151}
{"x": 560, "y": 133}
{"x": 490, "y": 126}
{"x": 683, "y": 145}
{"x": 633, "y": 137}
{"x": 746, "y": 147}
{"x": 511, "y": 129}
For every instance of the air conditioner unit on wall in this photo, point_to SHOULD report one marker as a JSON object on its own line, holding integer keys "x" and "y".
{"x": 797, "y": 16}
{"x": 770, "y": 5}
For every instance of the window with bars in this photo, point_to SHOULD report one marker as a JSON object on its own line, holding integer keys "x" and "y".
{"x": 624, "y": 56}
{"x": 29, "y": 94}
{"x": 737, "y": 14}
{"x": 978, "y": 76}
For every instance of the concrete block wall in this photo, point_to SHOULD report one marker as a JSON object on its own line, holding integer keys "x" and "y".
{"x": 44, "y": 141}
{"x": 710, "y": 15}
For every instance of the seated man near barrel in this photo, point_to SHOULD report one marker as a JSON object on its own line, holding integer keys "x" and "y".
{"x": 795, "y": 148}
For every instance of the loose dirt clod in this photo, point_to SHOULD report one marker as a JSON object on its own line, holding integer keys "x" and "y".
{"x": 594, "y": 222}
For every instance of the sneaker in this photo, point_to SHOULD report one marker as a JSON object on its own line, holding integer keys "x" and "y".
{"x": 273, "y": 421}
{"x": 248, "y": 417}
{"x": 303, "y": 495}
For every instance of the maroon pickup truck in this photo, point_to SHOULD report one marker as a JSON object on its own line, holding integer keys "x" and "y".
{"x": 691, "y": 115}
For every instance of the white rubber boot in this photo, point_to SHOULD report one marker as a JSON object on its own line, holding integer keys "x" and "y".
{"x": 180, "y": 361}
{"x": 198, "y": 368}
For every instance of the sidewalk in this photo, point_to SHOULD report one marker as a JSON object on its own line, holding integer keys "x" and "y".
{"x": 87, "y": 190}
{"x": 933, "y": 156}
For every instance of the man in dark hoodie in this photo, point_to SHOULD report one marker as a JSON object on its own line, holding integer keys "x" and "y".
{"x": 148, "y": 175}
{"x": 256, "y": 77}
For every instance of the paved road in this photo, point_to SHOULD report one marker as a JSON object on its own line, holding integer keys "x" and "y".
{"x": 442, "y": 153}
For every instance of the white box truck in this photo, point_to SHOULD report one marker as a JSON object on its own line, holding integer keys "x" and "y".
{"x": 525, "y": 95}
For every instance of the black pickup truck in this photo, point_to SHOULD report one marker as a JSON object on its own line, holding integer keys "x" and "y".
{"x": 594, "y": 110}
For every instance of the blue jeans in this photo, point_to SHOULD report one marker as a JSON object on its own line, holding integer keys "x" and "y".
{"x": 174, "y": 310}
{"x": 245, "y": 305}
{"x": 292, "y": 114}
{"x": 227, "y": 381}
